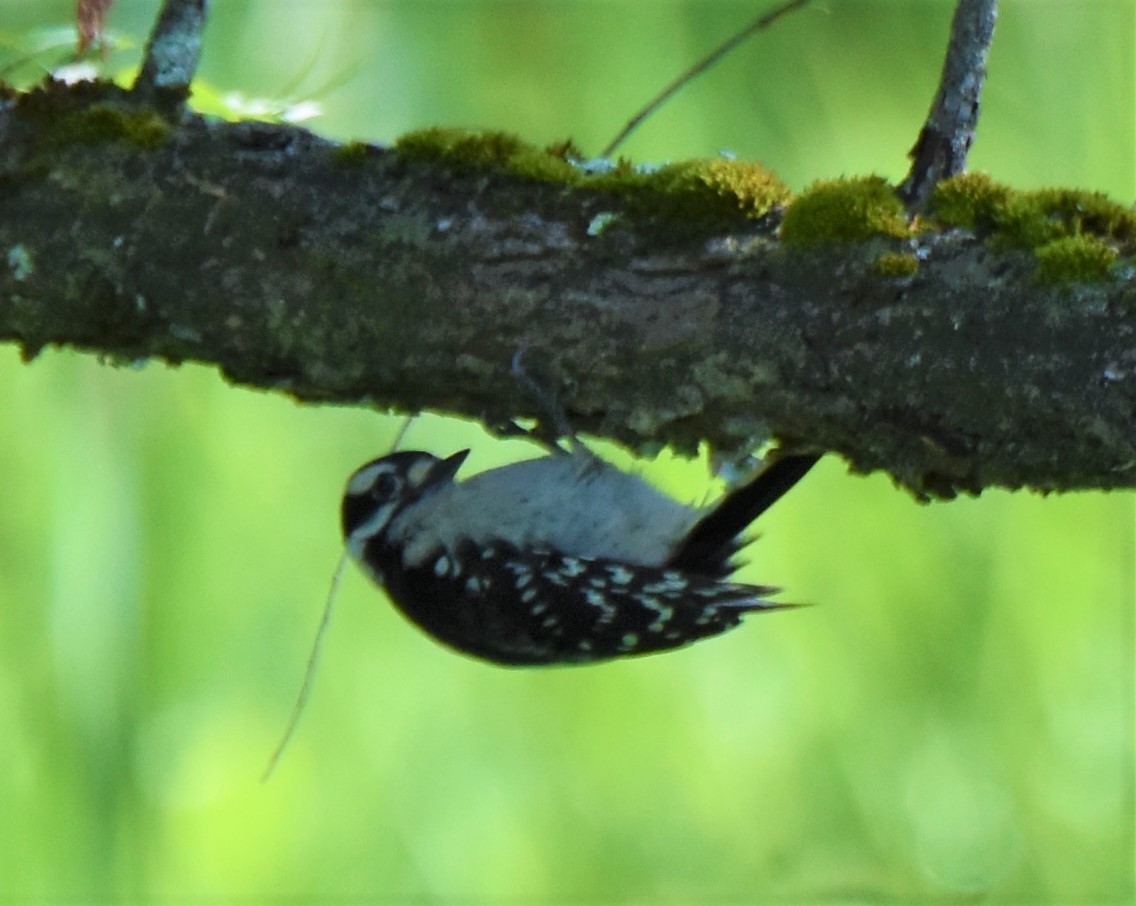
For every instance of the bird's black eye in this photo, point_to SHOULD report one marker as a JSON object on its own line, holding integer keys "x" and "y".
{"x": 385, "y": 487}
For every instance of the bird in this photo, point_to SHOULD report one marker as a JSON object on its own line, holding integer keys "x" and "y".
{"x": 560, "y": 559}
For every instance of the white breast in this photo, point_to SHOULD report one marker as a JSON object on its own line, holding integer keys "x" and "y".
{"x": 575, "y": 504}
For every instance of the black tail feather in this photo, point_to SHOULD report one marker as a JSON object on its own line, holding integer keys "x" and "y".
{"x": 710, "y": 545}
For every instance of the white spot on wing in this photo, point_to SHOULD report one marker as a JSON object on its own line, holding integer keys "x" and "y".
{"x": 572, "y": 567}
{"x": 620, "y": 575}
{"x": 665, "y": 613}
{"x": 672, "y": 587}
{"x": 708, "y": 616}
{"x": 606, "y": 608}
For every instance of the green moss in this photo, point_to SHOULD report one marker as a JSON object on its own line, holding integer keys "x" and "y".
{"x": 692, "y": 196}
{"x": 1032, "y": 219}
{"x": 541, "y": 166}
{"x": 741, "y": 187}
{"x": 1073, "y": 234}
{"x": 566, "y": 150}
{"x": 1075, "y": 259}
{"x": 481, "y": 150}
{"x": 896, "y": 264}
{"x": 351, "y": 154}
{"x": 1072, "y": 212}
{"x": 845, "y": 210}
{"x": 101, "y": 123}
{"x": 1029, "y": 220}
{"x": 695, "y": 197}
{"x": 971, "y": 201}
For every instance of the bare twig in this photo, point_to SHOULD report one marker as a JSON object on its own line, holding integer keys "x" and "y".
{"x": 943, "y": 143}
{"x": 761, "y": 22}
{"x": 173, "y": 50}
{"x": 309, "y": 671}
{"x": 90, "y": 20}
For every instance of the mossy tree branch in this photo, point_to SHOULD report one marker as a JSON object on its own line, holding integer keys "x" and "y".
{"x": 365, "y": 275}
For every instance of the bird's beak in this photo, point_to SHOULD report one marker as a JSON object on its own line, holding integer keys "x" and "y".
{"x": 445, "y": 469}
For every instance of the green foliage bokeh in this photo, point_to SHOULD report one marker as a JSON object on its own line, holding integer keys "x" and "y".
{"x": 954, "y": 718}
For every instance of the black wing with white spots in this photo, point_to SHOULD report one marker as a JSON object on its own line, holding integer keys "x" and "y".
{"x": 539, "y": 607}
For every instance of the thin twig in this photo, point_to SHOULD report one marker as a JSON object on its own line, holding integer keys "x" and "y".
{"x": 944, "y": 141}
{"x": 173, "y": 50}
{"x": 763, "y": 21}
{"x": 309, "y": 671}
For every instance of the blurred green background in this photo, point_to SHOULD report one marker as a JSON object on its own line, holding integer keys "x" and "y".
{"x": 954, "y": 720}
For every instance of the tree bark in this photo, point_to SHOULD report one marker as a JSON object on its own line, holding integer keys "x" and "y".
{"x": 358, "y": 275}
